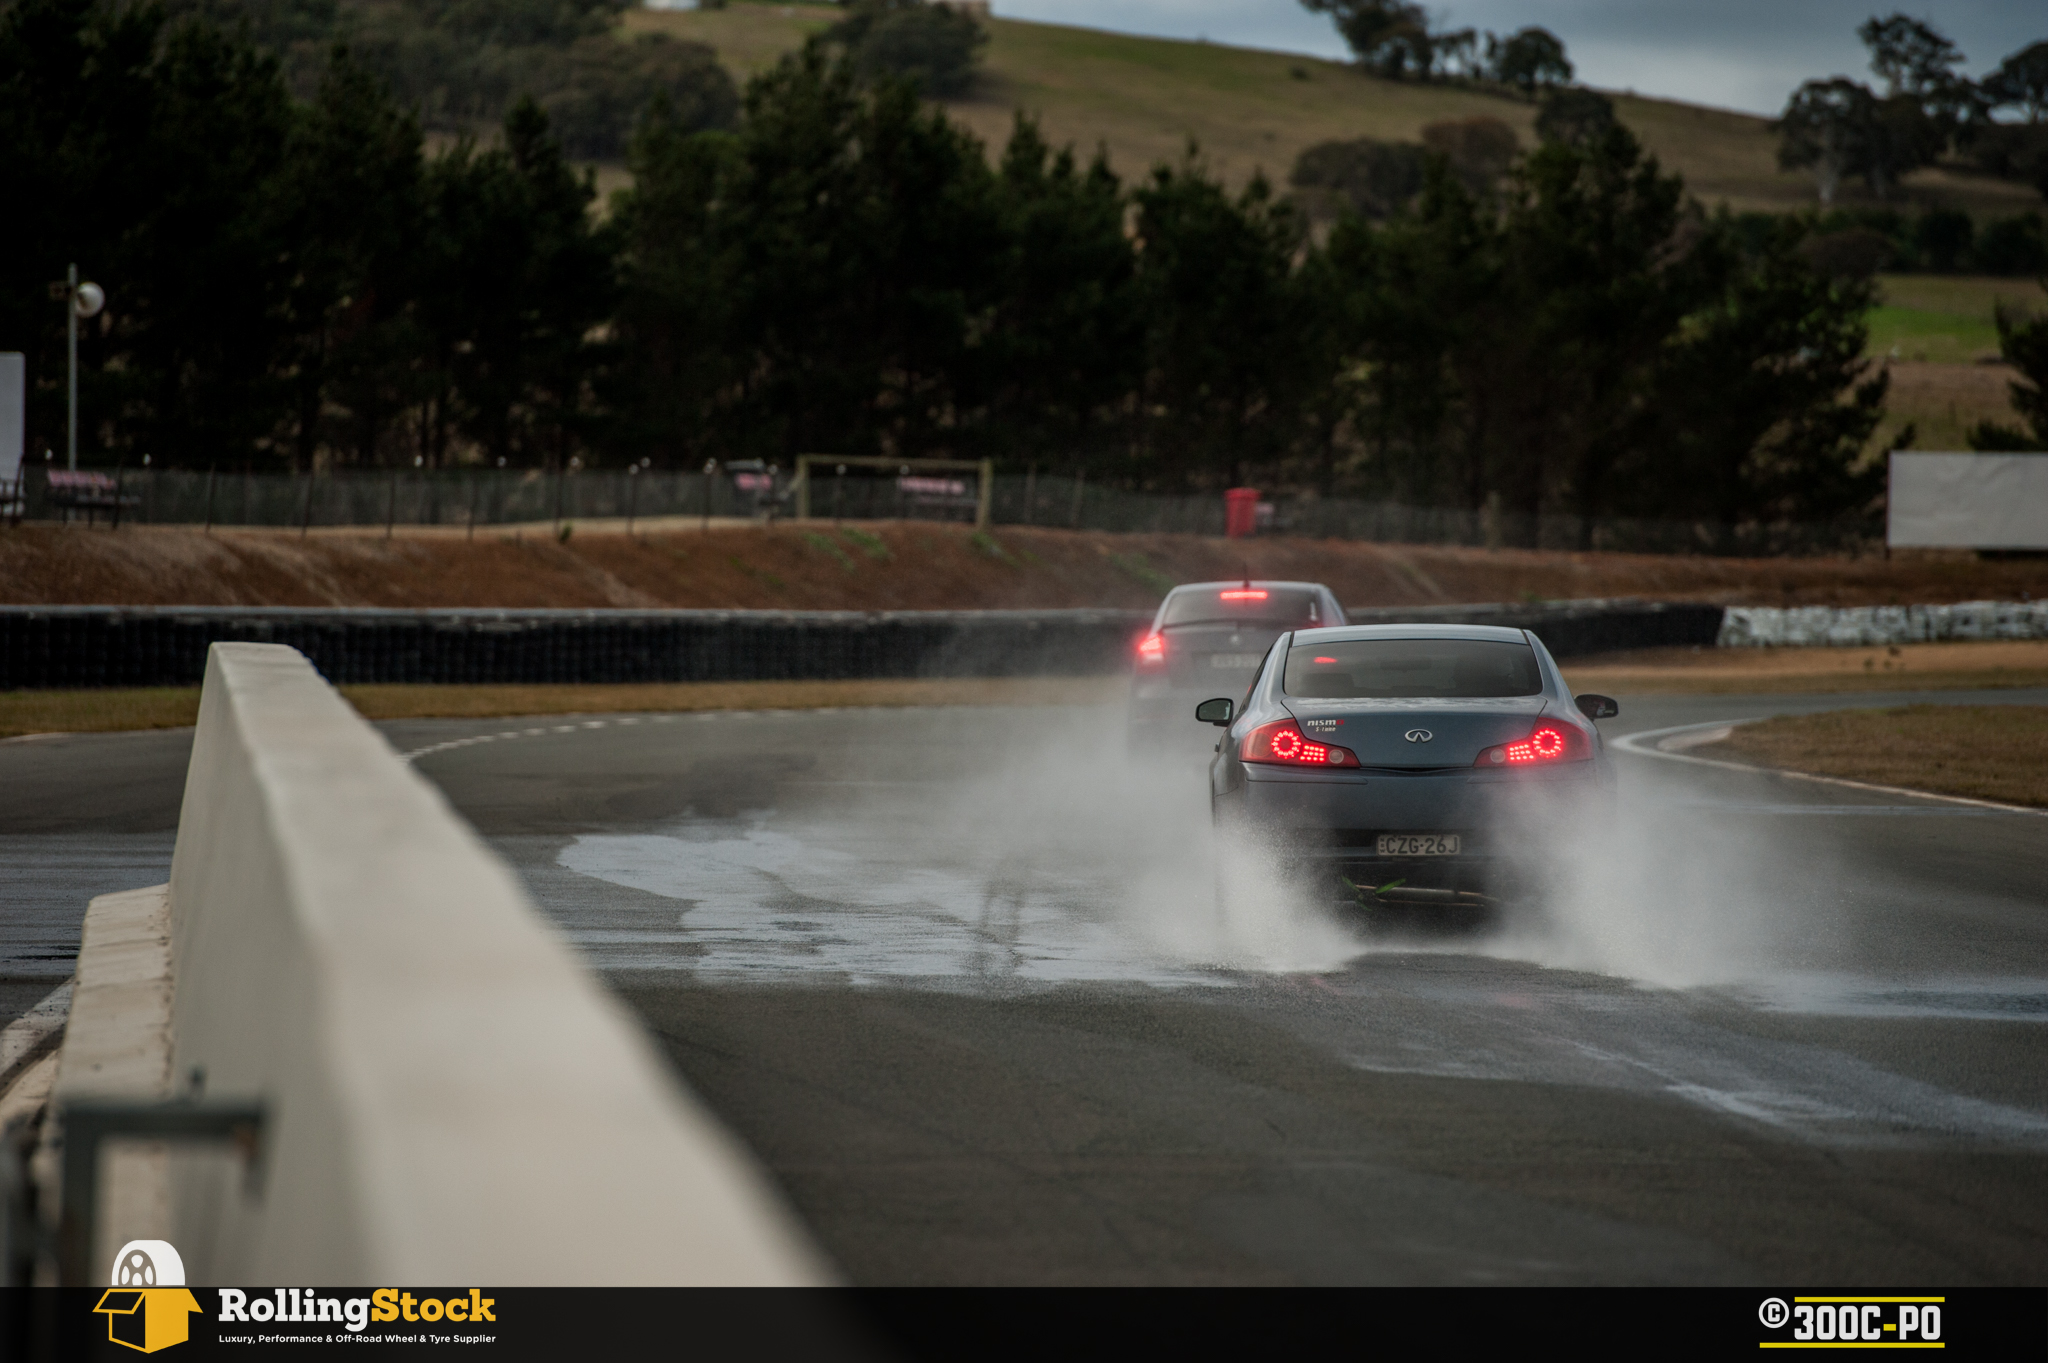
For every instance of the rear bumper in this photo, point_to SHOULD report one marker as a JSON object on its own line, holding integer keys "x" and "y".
{"x": 1327, "y": 824}
{"x": 1499, "y": 877}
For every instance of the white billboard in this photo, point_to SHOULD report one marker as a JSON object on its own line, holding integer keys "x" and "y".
{"x": 1968, "y": 501}
{"x": 13, "y": 413}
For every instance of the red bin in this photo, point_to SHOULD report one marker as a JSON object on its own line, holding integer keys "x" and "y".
{"x": 1240, "y": 512}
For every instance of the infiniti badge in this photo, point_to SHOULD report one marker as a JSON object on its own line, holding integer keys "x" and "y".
{"x": 1418, "y": 735}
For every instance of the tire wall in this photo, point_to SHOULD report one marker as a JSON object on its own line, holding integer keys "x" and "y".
{"x": 70, "y": 647}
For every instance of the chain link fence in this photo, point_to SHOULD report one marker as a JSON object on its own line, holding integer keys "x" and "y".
{"x": 480, "y": 498}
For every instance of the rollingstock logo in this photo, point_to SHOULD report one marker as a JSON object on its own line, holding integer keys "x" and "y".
{"x": 1852, "y": 1322}
{"x": 296, "y": 1306}
{"x": 148, "y": 1307}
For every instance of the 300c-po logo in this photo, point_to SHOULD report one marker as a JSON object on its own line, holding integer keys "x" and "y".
{"x": 1867, "y": 1322}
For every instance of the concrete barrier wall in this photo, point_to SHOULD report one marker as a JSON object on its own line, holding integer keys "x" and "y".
{"x": 453, "y": 1098}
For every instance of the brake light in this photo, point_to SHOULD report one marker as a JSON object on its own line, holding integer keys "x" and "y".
{"x": 1245, "y": 594}
{"x": 1549, "y": 743}
{"x": 1152, "y": 651}
{"x": 1283, "y": 743}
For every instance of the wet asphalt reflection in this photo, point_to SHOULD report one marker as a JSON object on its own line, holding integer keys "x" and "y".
{"x": 963, "y": 979}
{"x": 1758, "y": 1028}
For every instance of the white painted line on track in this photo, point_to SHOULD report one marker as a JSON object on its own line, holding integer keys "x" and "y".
{"x": 1633, "y": 745}
{"x": 581, "y": 725}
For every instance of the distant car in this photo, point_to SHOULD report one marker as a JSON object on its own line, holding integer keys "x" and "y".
{"x": 1208, "y": 639}
{"x": 1434, "y": 760}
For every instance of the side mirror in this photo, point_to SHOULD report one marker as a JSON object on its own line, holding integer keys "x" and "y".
{"x": 1218, "y": 712}
{"x": 1597, "y": 707}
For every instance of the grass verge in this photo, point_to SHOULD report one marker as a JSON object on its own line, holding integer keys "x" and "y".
{"x": 1999, "y": 665}
{"x": 93, "y": 712}
{"x": 77, "y": 712}
{"x": 1984, "y": 752}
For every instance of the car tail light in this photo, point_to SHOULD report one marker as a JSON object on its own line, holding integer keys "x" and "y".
{"x": 1283, "y": 743}
{"x": 1549, "y": 743}
{"x": 1245, "y": 594}
{"x": 1152, "y": 651}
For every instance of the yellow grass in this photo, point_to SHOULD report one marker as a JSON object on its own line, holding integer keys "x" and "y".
{"x": 1937, "y": 335}
{"x": 92, "y": 712}
{"x": 1943, "y": 401}
{"x": 1766, "y": 671}
{"x": 1144, "y": 98}
{"x": 1983, "y": 752}
{"x": 45, "y": 712}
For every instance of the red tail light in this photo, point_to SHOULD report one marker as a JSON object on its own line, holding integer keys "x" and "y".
{"x": 1244, "y": 594}
{"x": 1282, "y": 743}
{"x": 1549, "y": 743}
{"x": 1152, "y": 651}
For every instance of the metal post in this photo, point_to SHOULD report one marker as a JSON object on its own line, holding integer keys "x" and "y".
{"x": 71, "y": 334}
{"x": 88, "y": 1123}
{"x": 988, "y": 488}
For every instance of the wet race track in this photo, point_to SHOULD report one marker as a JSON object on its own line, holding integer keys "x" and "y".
{"x": 961, "y": 978}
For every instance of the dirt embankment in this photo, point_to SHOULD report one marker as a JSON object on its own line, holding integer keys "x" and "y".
{"x": 902, "y": 566}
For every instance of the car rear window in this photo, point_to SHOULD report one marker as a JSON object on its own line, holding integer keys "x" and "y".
{"x": 1386, "y": 669}
{"x": 1280, "y": 607}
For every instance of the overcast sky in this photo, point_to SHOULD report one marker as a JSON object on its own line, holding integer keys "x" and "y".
{"x": 1737, "y": 54}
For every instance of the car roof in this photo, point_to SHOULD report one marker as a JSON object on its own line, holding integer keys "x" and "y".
{"x": 1242, "y": 582}
{"x": 1340, "y": 634}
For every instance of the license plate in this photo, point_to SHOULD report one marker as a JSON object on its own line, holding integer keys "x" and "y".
{"x": 1237, "y": 662}
{"x": 1418, "y": 844}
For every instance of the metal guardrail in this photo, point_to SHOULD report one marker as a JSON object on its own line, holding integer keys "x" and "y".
{"x": 88, "y": 1124}
{"x": 91, "y": 646}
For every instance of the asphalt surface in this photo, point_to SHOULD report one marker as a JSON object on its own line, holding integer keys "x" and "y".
{"x": 962, "y": 979}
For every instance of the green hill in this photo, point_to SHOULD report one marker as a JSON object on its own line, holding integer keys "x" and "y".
{"x": 1144, "y": 98}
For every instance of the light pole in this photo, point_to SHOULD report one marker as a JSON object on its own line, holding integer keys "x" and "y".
{"x": 80, "y": 300}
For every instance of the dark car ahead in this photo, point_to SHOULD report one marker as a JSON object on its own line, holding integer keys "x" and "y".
{"x": 1208, "y": 639}
{"x": 1433, "y": 759}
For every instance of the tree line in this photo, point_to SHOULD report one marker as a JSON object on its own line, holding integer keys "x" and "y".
{"x": 300, "y": 284}
{"x": 462, "y": 65}
{"x": 1396, "y": 38}
{"x": 1927, "y": 110}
